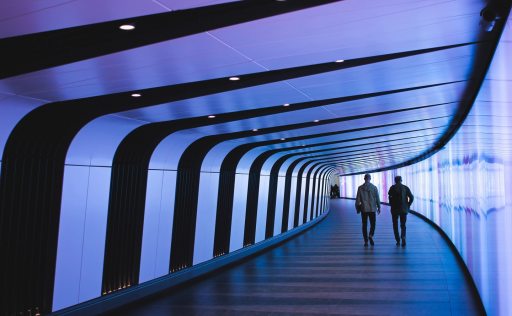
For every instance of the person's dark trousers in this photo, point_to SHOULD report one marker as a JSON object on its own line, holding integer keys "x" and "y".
{"x": 403, "y": 219}
{"x": 364, "y": 218}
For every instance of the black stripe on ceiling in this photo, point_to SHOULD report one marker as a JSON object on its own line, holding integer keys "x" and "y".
{"x": 367, "y": 151}
{"x": 26, "y": 53}
{"x": 307, "y": 153}
{"x": 367, "y": 155}
{"x": 368, "y": 161}
{"x": 38, "y": 147}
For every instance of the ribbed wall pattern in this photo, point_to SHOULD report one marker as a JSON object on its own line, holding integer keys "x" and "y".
{"x": 193, "y": 164}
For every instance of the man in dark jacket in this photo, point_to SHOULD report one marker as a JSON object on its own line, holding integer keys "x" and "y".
{"x": 400, "y": 199}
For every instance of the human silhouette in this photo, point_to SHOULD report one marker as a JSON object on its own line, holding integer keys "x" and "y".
{"x": 336, "y": 191}
{"x": 400, "y": 199}
{"x": 368, "y": 203}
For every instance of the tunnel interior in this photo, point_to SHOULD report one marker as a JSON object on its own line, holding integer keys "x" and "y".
{"x": 142, "y": 141}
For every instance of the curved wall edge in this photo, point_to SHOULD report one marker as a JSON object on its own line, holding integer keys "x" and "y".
{"x": 456, "y": 253}
{"x": 460, "y": 260}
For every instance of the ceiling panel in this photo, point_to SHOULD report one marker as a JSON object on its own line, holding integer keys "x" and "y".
{"x": 342, "y": 30}
{"x": 28, "y": 16}
{"x": 210, "y": 55}
{"x": 349, "y": 29}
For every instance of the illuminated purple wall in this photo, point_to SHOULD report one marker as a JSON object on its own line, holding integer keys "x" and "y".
{"x": 466, "y": 188}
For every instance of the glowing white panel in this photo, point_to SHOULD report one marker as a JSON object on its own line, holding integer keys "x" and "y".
{"x": 152, "y": 211}
{"x": 279, "y": 206}
{"x": 302, "y": 194}
{"x": 168, "y": 152}
{"x": 90, "y": 146}
{"x": 163, "y": 250}
{"x": 95, "y": 230}
{"x": 261, "y": 219}
{"x": 214, "y": 158}
{"x": 157, "y": 231}
{"x": 291, "y": 211}
{"x": 239, "y": 209}
{"x": 310, "y": 196}
{"x": 206, "y": 216}
{"x": 316, "y": 195}
{"x": 71, "y": 235}
{"x": 269, "y": 163}
{"x": 245, "y": 163}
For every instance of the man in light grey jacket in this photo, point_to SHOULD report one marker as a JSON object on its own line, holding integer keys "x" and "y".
{"x": 368, "y": 202}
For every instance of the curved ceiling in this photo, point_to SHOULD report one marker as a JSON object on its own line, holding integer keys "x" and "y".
{"x": 275, "y": 35}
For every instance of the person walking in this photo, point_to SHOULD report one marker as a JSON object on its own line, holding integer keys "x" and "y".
{"x": 336, "y": 190}
{"x": 368, "y": 203}
{"x": 400, "y": 199}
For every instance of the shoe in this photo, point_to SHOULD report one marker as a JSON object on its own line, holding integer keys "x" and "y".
{"x": 398, "y": 242}
{"x": 366, "y": 244}
{"x": 403, "y": 242}
{"x": 371, "y": 240}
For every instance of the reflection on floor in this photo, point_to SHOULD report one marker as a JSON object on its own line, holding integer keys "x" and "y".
{"x": 328, "y": 271}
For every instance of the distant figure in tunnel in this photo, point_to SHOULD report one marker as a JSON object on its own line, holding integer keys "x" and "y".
{"x": 335, "y": 191}
{"x": 368, "y": 203}
{"x": 400, "y": 199}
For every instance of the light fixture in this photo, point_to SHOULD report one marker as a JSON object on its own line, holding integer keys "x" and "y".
{"x": 234, "y": 78}
{"x": 136, "y": 95}
{"x": 316, "y": 121}
{"x": 254, "y": 129}
{"x": 283, "y": 138}
{"x": 211, "y": 116}
{"x": 286, "y": 104}
{"x": 127, "y": 27}
{"x": 339, "y": 61}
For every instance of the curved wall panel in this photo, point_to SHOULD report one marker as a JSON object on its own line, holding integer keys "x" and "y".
{"x": 466, "y": 188}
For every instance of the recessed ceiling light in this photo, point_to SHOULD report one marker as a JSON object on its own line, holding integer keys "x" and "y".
{"x": 303, "y": 145}
{"x": 211, "y": 116}
{"x": 234, "y": 78}
{"x": 316, "y": 121}
{"x": 286, "y": 104}
{"x": 283, "y": 138}
{"x": 340, "y": 60}
{"x": 136, "y": 95}
{"x": 127, "y": 27}
{"x": 254, "y": 129}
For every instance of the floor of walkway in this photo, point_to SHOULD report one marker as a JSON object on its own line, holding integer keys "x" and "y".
{"x": 328, "y": 271}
